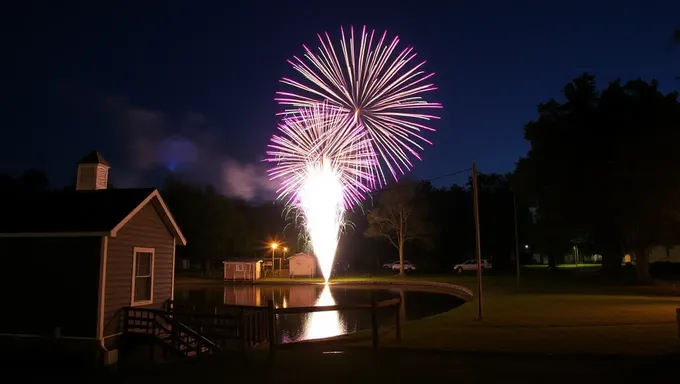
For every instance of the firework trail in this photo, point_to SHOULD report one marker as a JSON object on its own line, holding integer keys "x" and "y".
{"x": 376, "y": 84}
{"x": 323, "y": 161}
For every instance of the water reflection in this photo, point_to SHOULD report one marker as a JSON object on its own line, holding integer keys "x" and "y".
{"x": 323, "y": 324}
{"x": 297, "y": 327}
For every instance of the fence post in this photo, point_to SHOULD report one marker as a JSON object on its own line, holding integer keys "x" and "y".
{"x": 175, "y": 332}
{"x": 374, "y": 320}
{"x": 397, "y": 308}
{"x": 242, "y": 331}
{"x": 271, "y": 321}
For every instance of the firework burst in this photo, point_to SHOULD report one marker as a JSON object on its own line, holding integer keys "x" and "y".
{"x": 376, "y": 85}
{"x": 323, "y": 161}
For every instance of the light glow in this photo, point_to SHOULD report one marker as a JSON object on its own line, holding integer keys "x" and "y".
{"x": 322, "y": 160}
{"x": 324, "y": 324}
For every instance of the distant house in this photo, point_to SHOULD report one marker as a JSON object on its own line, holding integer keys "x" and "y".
{"x": 72, "y": 260}
{"x": 658, "y": 254}
{"x": 242, "y": 269}
{"x": 667, "y": 254}
{"x": 302, "y": 265}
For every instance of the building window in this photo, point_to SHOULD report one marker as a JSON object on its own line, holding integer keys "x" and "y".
{"x": 142, "y": 276}
{"x": 239, "y": 267}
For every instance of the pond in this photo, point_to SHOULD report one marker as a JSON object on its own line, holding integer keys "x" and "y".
{"x": 308, "y": 326}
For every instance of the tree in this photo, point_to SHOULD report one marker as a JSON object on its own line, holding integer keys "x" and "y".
{"x": 599, "y": 168}
{"x": 398, "y": 217}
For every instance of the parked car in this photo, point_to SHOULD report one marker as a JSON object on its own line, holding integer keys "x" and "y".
{"x": 407, "y": 266}
{"x": 471, "y": 265}
{"x": 389, "y": 264}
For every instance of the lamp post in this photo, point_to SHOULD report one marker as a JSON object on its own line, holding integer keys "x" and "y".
{"x": 274, "y": 246}
{"x": 285, "y": 250}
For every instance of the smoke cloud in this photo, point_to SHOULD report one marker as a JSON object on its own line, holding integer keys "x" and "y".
{"x": 156, "y": 143}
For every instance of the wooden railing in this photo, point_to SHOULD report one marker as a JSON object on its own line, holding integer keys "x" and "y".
{"x": 193, "y": 332}
{"x": 242, "y": 326}
{"x": 373, "y": 308}
{"x": 169, "y": 329}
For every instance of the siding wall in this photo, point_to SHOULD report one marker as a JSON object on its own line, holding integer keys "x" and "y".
{"x": 146, "y": 229}
{"x": 302, "y": 266}
{"x": 50, "y": 282}
{"x": 665, "y": 254}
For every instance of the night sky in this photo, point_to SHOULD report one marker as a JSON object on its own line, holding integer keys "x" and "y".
{"x": 189, "y": 85}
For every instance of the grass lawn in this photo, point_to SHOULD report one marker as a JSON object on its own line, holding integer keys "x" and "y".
{"x": 392, "y": 365}
{"x": 568, "y": 266}
{"x": 552, "y": 323}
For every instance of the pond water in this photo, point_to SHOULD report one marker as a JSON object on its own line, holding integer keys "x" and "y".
{"x": 299, "y": 327}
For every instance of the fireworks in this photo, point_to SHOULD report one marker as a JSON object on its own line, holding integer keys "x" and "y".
{"x": 347, "y": 118}
{"x": 375, "y": 83}
{"x": 323, "y": 160}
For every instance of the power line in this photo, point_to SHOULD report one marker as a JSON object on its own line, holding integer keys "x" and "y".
{"x": 449, "y": 174}
{"x": 398, "y": 184}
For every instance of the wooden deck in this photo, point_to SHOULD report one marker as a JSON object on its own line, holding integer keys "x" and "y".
{"x": 194, "y": 332}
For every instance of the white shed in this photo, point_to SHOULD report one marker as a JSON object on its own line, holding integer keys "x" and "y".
{"x": 302, "y": 265}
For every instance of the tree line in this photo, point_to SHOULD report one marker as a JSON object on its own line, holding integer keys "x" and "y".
{"x": 440, "y": 228}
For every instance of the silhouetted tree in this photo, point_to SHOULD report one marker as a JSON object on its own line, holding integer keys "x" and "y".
{"x": 599, "y": 169}
{"x": 398, "y": 216}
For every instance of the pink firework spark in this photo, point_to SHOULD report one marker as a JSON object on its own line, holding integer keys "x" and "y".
{"x": 373, "y": 83}
{"x": 317, "y": 134}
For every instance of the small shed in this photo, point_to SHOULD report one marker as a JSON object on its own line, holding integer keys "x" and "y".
{"x": 302, "y": 265}
{"x": 88, "y": 254}
{"x": 242, "y": 269}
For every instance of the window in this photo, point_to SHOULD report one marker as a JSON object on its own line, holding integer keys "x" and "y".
{"x": 142, "y": 276}
{"x": 239, "y": 267}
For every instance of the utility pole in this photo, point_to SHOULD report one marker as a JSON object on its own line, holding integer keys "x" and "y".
{"x": 514, "y": 204}
{"x": 475, "y": 194}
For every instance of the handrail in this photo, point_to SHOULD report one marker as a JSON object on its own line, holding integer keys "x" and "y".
{"x": 338, "y": 307}
{"x": 192, "y": 332}
{"x": 200, "y": 340}
{"x": 269, "y": 318}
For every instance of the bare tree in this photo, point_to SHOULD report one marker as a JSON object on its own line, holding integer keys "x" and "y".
{"x": 398, "y": 217}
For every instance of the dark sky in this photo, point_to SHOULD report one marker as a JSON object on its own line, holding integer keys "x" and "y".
{"x": 189, "y": 85}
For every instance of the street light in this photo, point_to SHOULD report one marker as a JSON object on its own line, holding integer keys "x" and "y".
{"x": 285, "y": 249}
{"x": 274, "y": 246}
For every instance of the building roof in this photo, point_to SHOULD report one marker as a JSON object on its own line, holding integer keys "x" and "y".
{"x": 79, "y": 213}
{"x": 94, "y": 157}
{"x": 244, "y": 260}
{"x": 300, "y": 254}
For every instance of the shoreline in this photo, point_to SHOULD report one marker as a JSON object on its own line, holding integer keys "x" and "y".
{"x": 457, "y": 290}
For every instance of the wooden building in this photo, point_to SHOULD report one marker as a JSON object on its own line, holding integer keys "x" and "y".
{"x": 72, "y": 260}
{"x": 302, "y": 265}
{"x": 242, "y": 269}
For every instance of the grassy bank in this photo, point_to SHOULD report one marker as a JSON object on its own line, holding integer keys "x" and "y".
{"x": 550, "y": 323}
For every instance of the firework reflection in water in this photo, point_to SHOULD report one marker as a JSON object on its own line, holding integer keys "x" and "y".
{"x": 323, "y": 324}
